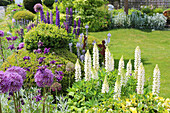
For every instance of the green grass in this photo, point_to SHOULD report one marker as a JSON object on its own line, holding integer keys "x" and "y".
{"x": 155, "y": 49}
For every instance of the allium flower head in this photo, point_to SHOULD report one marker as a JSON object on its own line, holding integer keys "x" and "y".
{"x": 105, "y": 86}
{"x": 95, "y": 57}
{"x": 141, "y": 78}
{"x": 4, "y": 82}
{"x": 109, "y": 35}
{"x": 19, "y": 70}
{"x": 87, "y": 66}
{"x": 78, "y": 71}
{"x": 1, "y": 33}
{"x": 70, "y": 67}
{"x": 38, "y": 7}
{"x": 44, "y": 77}
{"x": 156, "y": 81}
{"x": 56, "y": 86}
{"x": 15, "y": 80}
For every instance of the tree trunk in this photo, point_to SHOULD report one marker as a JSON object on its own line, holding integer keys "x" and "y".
{"x": 126, "y": 6}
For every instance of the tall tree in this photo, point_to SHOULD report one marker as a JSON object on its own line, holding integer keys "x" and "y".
{"x": 126, "y": 6}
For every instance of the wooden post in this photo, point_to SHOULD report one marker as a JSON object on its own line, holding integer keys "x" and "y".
{"x": 126, "y": 6}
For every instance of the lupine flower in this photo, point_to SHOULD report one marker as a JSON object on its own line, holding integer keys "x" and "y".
{"x": 74, "y": 30}
{"x": 58, "y": 19}
{"x": 15, "y": 81}
{"x": 70, "y": 46}
{"x": 83, "y": 51}
{"x": 48, "y": 18}
{"x": 51, "y": 17}
{"x": 56, "y": 86}
{"x": 38, "y": 7}
{"x": 44, "y": 77}
{"x": 42, "y": 15}
{"x": 26, "y": 58}
{"x": 128, "y": 70}
{"x": 46, "y": 51}
{"x": 67, "y": 14}
{"x": 14, "y": 38}
{"x": 21, "y": 45}
{"x": 105, "y": 86}
{"x": 4, "y": 82}
{"x": 87, "y": 66}
{"x": 137, "y": 60}
{"x": 156, "y": 81}
{"x": 121, "y": 65}
{"x": 45, "y": 20}
{"x": 82, "y": 58}
{"x": 141, "y": 77}
{"x": 41, "y": 59}
{"x": 112, "y": 63}
{"x": 19, "y": 70}
{"x": 94, "y": 73}
{"x": 95, "y": 57}
{"x": 70, "y": 67}
{"x": 8, "y": 38}
{"x": 71, "y": 17}
{"x": 117, "y": 89}
{"x": 78, "y": 49}
{"x": 1, "y": 33}
{"x": 78, "y": 30}
{"x": 11, "y": 47}
{"x": 78, "y": 71}
{"x": 107, "y": 59}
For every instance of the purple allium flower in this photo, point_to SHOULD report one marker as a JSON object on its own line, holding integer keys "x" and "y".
{"x": 4, "y": 82}
{"x": 1, "y": 33}
{"x": 21, "y": 45}
{"x": 51, "y": 17}
{"x": 56, "y": 86}
{"x": 19, "y": 70}
{"x": 41, "y": 59}
{"x": 38, "y": 98}
{"x": 40, "y": 44}
{"x": 39, "y": 51}
{"x": 26, "y": 58}
{"x": 13, "y": 20}
{"x": 38, "y": 7}
{"x": 53, "y": 62}
{"x": 15, "y": 81}
{"x": 11, "y": 47}
{"x": 58, "y": 19}
{"x": 74, "y": 30}
{"x": 46, "y": 50}
{"x": 8, "y": 38}
{"x": 48, "y": 18}
{"x": 19, "y": 5}
{"x": 70, "y": 67}
{"x": 14, "y": 38}
{"x": 44, "y": 77}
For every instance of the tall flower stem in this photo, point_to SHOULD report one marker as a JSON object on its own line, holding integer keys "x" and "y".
{"x": 0, "y": 106}
{"x": 15, "y": 103}
{"x": 44, "y": 101}
{"x": 2, "y": 51}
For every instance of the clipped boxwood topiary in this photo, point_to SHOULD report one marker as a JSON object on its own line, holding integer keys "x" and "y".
{"x": 51, "y": 36}
{"x": 27, "y": 15}
{"x": 48, "y": 3}
{"x": 29, "y": 4}
{"x": 33, "y": 64}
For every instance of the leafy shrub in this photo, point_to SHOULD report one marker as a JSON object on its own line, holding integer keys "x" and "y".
{"x": 29, "y": 4}
{"x": 27, "y": 15}
{"x": 4, "y": 2}
{"x": 158, "y": 10}
{"x": 147, "y": 10}
{"x": 48, "y": 3}
{"x": 62, "y": 56}
{"x": 50, "y": 35}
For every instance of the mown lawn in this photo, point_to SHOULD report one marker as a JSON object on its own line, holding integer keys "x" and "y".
{"x": 155, "y": 49}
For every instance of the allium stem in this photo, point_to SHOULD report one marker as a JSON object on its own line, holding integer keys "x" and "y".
{"x": 44, "y": 101}
{"x": 0, "y": 106}
{"x": 16, "y": 111}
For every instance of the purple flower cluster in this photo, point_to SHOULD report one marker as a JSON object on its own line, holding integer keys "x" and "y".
{"x": 26, "y": 58}
{"x": 51, "y": 17}
{"x": 46, "y": 51}
{"x": 58, "y": 19}
{"x": 38, "y": 7}
{"x": 74, "y": 30}
{"x": 11, "y": 47}
{"x": 44, "y": 77}
{"x": 4, "y": 82}
{"x": 58, "y": 75}
{"x": 1, "y": 33}
{"x": 20, "y": 46}
{"x": 41, "y": 59}
{"x": 38, "y": 98}
{"x": 16, "y": 69}
{"x": 79, "y": 23}
{"x": 48, "y": 18}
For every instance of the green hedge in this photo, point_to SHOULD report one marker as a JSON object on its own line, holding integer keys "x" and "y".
{"x": 27, "y": 15}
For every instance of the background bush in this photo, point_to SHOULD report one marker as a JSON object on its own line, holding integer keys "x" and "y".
{"x": 27, "y": 15}
{"x": 158, "y": 10}
{"x": 29, "y": 4}
{"x": 62, "y": 56}
{"x": 48, "y": 3}
{"x": 4, "y": 2}
{"x": 50, "y": 35}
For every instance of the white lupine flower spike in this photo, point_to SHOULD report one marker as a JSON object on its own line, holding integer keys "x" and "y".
{"x": 128, "y": 70}
{"x": 95, "y": 57}
{"x": 105, "y": 86}
{"x": 156, "y": 80}
{"x": 87, "y": 66}
{"x": 141, "y": 79}
{"x": 137, "y": 60}
{"x": 121, "y": 65}
{"x": 77, "y": 71}
{"x": 112, "y": 64}
{"x": 117, "y": 89}
{"x": 94, "y": 73}
{"x": 107, "y": 59}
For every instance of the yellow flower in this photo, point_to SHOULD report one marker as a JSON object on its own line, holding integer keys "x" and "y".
{"x": 133, "y": 110}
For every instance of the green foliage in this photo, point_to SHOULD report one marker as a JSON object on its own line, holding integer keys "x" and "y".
{"x": 147, "y": 10}
{"x": 29, "y": 4}
{"x": 158, "y": 10}
{"x": 4, "y": 2}
{"x": 86, "y": 94}
{"x": 48, "y": 3}
{"x": 50, "y": 35}
{"x": 27, "y": 15}
{"x": 62, "y": 56}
